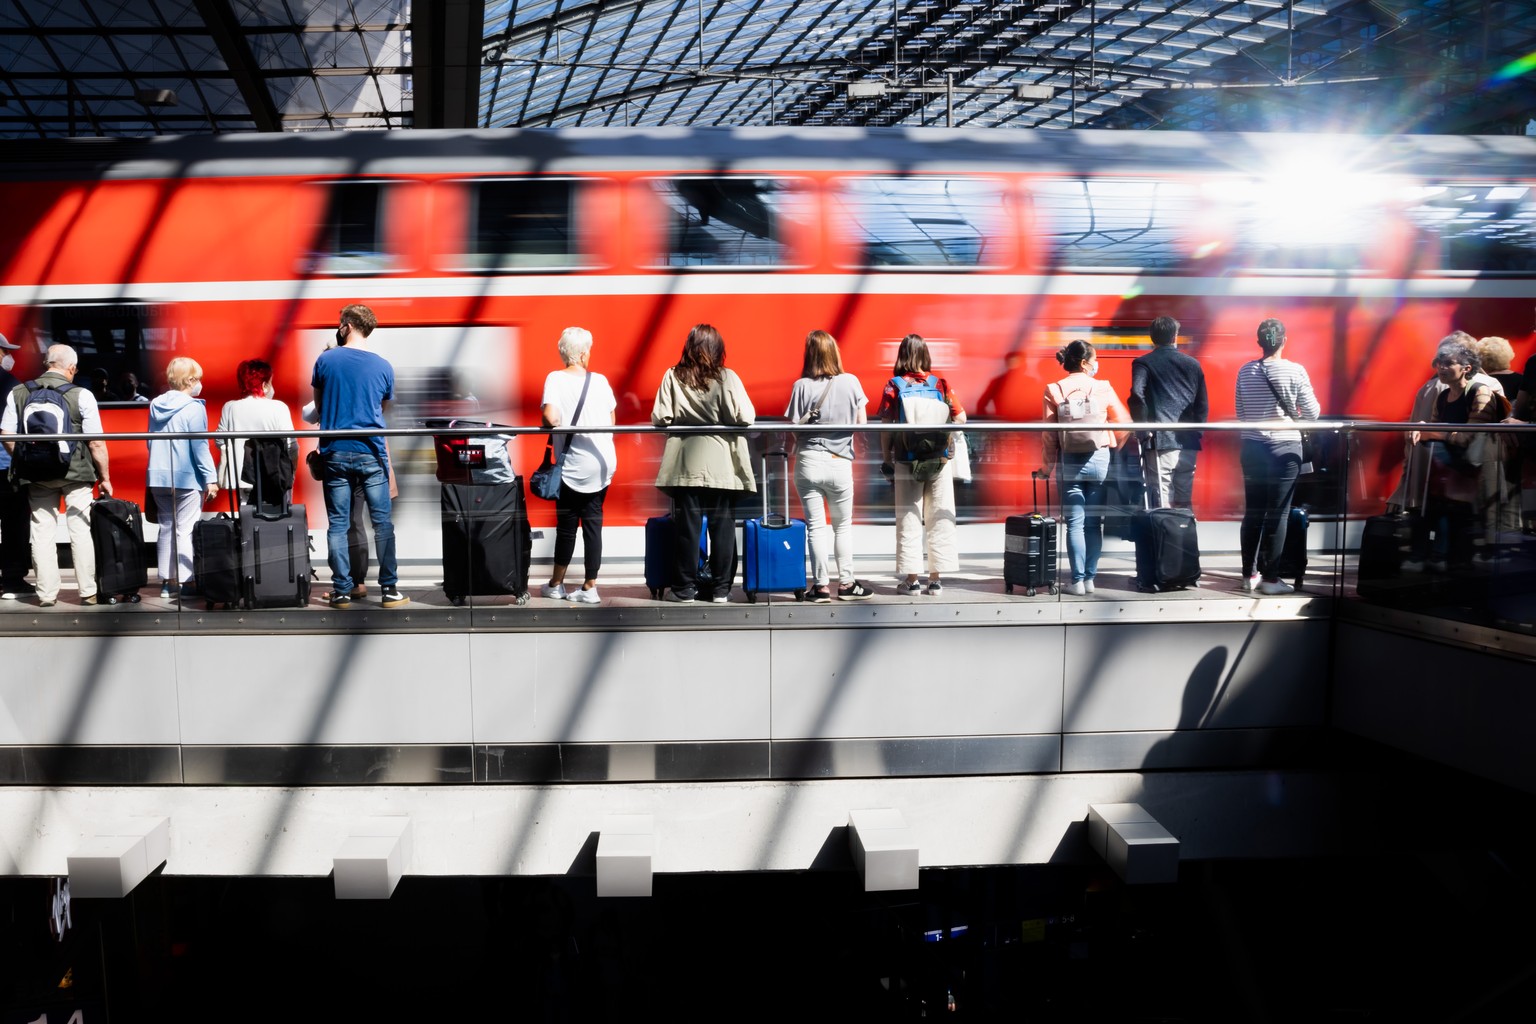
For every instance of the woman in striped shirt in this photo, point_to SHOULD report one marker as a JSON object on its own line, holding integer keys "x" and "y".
{"x": 1270, "y": 388}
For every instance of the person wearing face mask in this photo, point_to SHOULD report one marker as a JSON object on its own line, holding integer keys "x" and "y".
{"x": 15, "y": 559}
{"x": 255, "y": 409}
{"x": 1080, "y": 456}
{"x": 181, "y": 473}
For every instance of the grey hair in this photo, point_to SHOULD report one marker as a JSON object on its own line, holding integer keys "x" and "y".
{"x": 575, "y": 342}
{"x": 62, "y": 357}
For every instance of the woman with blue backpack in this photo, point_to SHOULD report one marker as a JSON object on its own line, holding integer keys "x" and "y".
{"x": 917, "y": 462}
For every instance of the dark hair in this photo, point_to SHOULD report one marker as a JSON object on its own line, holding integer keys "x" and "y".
{"x": 703, "y": 358}
{"x": 1074, "y": 355}
{"x": 252, "y": 377}
{"x": 821, "y": 356}
{"x": 361, "y": 317}
{"x": 912, "y": 356}
{"x": 1271, "y": 335}
{"x": 1164, "y": 330}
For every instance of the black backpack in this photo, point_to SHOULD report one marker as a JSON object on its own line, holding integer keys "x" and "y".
{"x": 270, "y": 457}
{"x": 47, "y": 410}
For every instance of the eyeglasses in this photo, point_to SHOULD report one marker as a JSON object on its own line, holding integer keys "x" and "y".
{"x": 1439, "y": 363}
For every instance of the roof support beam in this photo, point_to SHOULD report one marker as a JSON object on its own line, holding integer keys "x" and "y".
{"x": 445, "y": 48}
{"x": 228, "y": 36}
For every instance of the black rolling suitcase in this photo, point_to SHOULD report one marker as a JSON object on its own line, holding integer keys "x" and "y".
{"x": 1029, "y": 547}
{"x": 275, "y": 567}
{"x": 216, "y": 560}
{"x": 661, "y": 555}
{"x": 487, "y": 543}
{"x": 1167, "y": 549}
{"x": 117, "y": 536}
{"x": 1384, "y": 542}
{"x": 1293, "y": 556}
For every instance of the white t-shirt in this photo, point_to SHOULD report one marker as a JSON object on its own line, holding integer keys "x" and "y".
{"x": 590, "y": 459}
{"x": 249, "y": 413}
{"x": 845, "y": 399}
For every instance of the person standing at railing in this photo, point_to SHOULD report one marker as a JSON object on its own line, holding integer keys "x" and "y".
{"x": 87, "y": 465}
{"x": 1499, "y": 490}
{"x": 15, "y": 556}
{"x": 575, "y": 396}
{"x": 1081, "y": 456}
{"x": 825, "y": 395}
{"x": 1168, "y": 386}
{"x": 1453, "y": 478}
{"x": 352, "y": 387}
{"x": 1409, "y": 495}
{"x": 704, "y": 472}
{"x": 181, "y": 477}
{"x": 255, "y": 409}
{"x": 1270, "y": 388}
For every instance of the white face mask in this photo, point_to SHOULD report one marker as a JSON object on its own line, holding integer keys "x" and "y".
{"x": 266, "y": 390}
{"x": 197, "y": 389}
{"x": 7, "y": 362}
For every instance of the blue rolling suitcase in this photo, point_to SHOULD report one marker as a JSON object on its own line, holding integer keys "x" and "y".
{"x": 774, "y": 547}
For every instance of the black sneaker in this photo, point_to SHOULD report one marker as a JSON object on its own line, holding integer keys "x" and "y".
{"x": 390, "y": 597}
{"x": 13, "y": 590}
{"x": 854, "y": 591}
{"x": 341, "y": 600}
{"x": 683, "y": 596}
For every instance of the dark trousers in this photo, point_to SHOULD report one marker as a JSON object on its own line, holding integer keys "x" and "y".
{"x": 1269, "y": 484}
{"x": 15, "y": 531}
{"x": 692, "y": 505}
{"x": 573, "y": 509}
{"x": 357, "y": 537}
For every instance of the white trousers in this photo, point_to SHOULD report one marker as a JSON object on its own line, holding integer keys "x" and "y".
{"x": 44, "y": 501}
{"x": 1170, "y": 476}
{"x": 825, "y": 483}
{"x": 925, "y": 518}
{"x": 178, "y": 510}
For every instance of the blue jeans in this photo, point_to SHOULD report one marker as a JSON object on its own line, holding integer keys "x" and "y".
{"x": 345, "y": 471}
{"x": 1080, "y": 476}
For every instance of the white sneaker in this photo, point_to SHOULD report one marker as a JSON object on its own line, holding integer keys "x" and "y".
{"x": 1251, "y": 583}
{"x": 1273, "y": 587}
{"x": 587, "y": 596}
{"x": 1077, "y": 589}
{"x": 554, "y": 593}
{"x": 1088, "y": 586}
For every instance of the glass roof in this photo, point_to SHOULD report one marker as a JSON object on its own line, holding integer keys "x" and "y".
{"x": 141, "y": 67}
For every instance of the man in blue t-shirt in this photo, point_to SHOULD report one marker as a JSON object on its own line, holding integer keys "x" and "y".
{"x": 352, "y": 386}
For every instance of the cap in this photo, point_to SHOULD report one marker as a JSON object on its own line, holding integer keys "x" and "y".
{"x": 6, "y": 343}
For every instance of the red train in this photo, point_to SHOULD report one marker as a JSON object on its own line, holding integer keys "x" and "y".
{"x": 476, "y": 248}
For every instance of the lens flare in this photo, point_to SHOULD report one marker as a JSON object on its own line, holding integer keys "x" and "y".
{"x": 1516, "y": 68}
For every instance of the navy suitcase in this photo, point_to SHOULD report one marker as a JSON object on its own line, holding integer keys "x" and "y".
{"x": 216, "y": 560}
{"x": 117, "y": 536}
{"x": 1383, "y": 543}
{"x": 487, "y": 543}
{"x": 773, "y": 547}
{"x": 1293, "y": 556}
{"x": 660, "y": 555}
{"x": 1029, "y": 547}
{"x": 1167, "y": 549}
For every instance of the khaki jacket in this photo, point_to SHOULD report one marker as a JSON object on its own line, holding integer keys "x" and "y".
{"x": 721, "y": 461}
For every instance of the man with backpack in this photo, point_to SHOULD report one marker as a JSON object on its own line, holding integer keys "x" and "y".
{"x": 54, "y": 404}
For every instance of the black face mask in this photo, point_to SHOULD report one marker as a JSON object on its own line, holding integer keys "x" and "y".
{"x": 341, "y": 335}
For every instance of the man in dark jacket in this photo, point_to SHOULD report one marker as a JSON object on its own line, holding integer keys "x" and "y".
{"x": 1168, "y": 386}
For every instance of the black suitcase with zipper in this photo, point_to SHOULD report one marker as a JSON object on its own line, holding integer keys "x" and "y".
{"x": 117, "y": 536}
{"x": 275, "y": 566}
{"x": 1167, "y": 549}
{"x": 487, "y": 543}
{"x": 216, "y": 560}
{"x": 1029, "y": 547}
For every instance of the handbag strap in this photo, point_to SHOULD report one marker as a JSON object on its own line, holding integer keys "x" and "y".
{"x": 586, "y": 383}
{"x": 817, "y": 407}
{"x": 1285, "y": 406}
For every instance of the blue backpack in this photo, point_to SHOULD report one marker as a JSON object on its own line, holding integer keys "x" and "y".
{"x": 921, "y": 403}
{"x": 46, "y": 410}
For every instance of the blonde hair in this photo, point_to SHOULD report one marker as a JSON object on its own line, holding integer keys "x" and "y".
{"x": 1496, "y": 352}
{"x": 182, "y": 371}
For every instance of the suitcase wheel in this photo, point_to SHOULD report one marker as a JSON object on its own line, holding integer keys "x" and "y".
{"x": 799, "y": 595}
{"x": 751, "y": 597}
{"x": 457, "y": 600}
{"x": 1055, "y": 590}
{"x": 1030, "y": 591}
{"x": 524, "y": 598}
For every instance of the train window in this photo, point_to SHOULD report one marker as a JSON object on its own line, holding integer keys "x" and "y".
{"x": 350, "y": 236}
{"x": 1116, "y": 223}
{"x": 122, "y": 347}
{"x": 1478, "y": 226}
{"x": 922, "y": 222}
{"x": 732, "y": 222}
{"x": 524, "y": 225}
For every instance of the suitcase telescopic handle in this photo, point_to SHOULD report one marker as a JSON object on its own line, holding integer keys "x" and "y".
{"x": 783, "y": 454}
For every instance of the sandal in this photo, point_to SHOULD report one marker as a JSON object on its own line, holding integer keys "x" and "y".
{"x": 819, "y": 595}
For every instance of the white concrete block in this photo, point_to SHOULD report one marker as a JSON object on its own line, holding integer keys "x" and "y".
{"x": 118, "y": 857}
{"x": 373, "y": 858}
{"x": 1133, "y": 844}
{"x": 626, "y": 848}
{"x": 884, "y": 849}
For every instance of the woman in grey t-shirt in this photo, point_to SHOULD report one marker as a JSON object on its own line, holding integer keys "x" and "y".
{"x": 826, "y": 396}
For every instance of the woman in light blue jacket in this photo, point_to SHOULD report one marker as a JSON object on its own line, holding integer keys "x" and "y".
{"x": 181, "y": 473}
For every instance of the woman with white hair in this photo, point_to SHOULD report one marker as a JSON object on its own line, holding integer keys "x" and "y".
{"x": 575, "y": 396}
{"x": 181, "y": 473}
